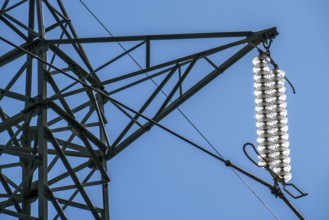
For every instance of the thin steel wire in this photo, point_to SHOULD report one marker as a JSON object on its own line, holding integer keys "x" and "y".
{"x": 183, "y": 114}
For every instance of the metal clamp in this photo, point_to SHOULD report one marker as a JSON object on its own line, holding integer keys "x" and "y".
{"x": 275, "y": 189}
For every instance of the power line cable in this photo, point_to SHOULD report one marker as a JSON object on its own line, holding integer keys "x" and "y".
{"x": 182, "y": 113}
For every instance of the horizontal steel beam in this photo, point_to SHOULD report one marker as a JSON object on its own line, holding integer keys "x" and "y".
{"x": 15, "y": 95}
{"x": 16, "y": 53}
{"x": 77, "y": 205}
{"x": 151, "y": 37}
{"x": 18, "y": 215}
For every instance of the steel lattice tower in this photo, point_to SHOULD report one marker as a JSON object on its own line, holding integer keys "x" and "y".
{"x": 54, "y": 143}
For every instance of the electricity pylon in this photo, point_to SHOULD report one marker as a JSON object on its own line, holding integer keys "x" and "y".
{"x": 55, "y": 140}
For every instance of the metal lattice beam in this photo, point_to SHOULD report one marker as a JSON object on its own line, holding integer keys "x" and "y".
{"x": 59, "y": 128}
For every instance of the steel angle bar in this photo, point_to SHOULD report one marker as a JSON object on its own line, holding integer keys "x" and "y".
{"x": 67, "y": 94}
{"x": 10, "y": 130}
{"x": 15, "y": 95}
{"x": 17, "y": 189}
{"x": 13, "y": 138}
{"x": 18, "y": 51}
{"x": 146, "y": 104}
{"x": 55, "y": 203}
{"x": 68, "y": 144}
{"x": 55, "y": 25}
{"x": 76, "y": 68}
{"x": 16, "y": 152}
{"x": 31, "y": 19}
{"x": 210, "y": 62}
{"x": 92, "y": 124}
{"x": 77, "y": 126}
{"x": 17, "y": 148}
{"x": 70, "y": 153}
{"x": 74, "y": 177}
{"x": 17, "y": 75}
{"x": 10, "y": 182}
{"x": 54, "y": 161}
{"x": 11, "y": 7}
{"x": 9, "y": 192}
{"x": 42, "y": 119}
{"x": 95, "y": 158}
{"x": 26, "y": 204}
{"x": 72, "y": 146}
{"x": 175, "y": 88}
{"x": 4, "y": 5}
{"x": 152, "y": 37}
{"x": 94, "y": 101}
{"x": 54, "y": 55}
{"x": 69, "y": 187}
{"x": 53, "y": 9}
{"x": 149, "y": 77}
{"x": 60, "y": 129}
{"x": 16, "y": 119}
{"x": 10, "y": 165}
{"x": 291, "y": 206}
{"x": 119, "y": 56}
{"x": 78, "y": 48}
{"x": 101, "y": 117}
{"x": 53, "y": 84}
{"x": 30, "y": 31}
{"x": 66, "y": 174}
{"x": 123, "y": 110}
{"x": 79, "y": 205}
{"x": 105, "y": 192}
{"x": 75, "y": 110}
{"x": 67, "y": 202}
{"x": 148, "y": 53}
{"x": 18, "y": 215}
{"x": 81, "y": 52}
{"x": 66, "y": 69}
{"x": 14, "y": 28}
{"x": 179, "y": 77}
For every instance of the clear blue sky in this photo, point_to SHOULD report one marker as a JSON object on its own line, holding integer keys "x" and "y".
{"x": 160, "y": 177}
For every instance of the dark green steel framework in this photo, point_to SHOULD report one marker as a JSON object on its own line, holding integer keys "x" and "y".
{"x": 47, "y": 133}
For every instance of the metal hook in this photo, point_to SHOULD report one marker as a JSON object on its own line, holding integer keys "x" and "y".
{"x": 267, "y": 41}
{"x": 247, "y": 155}
{"x": 275, "y": 176}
